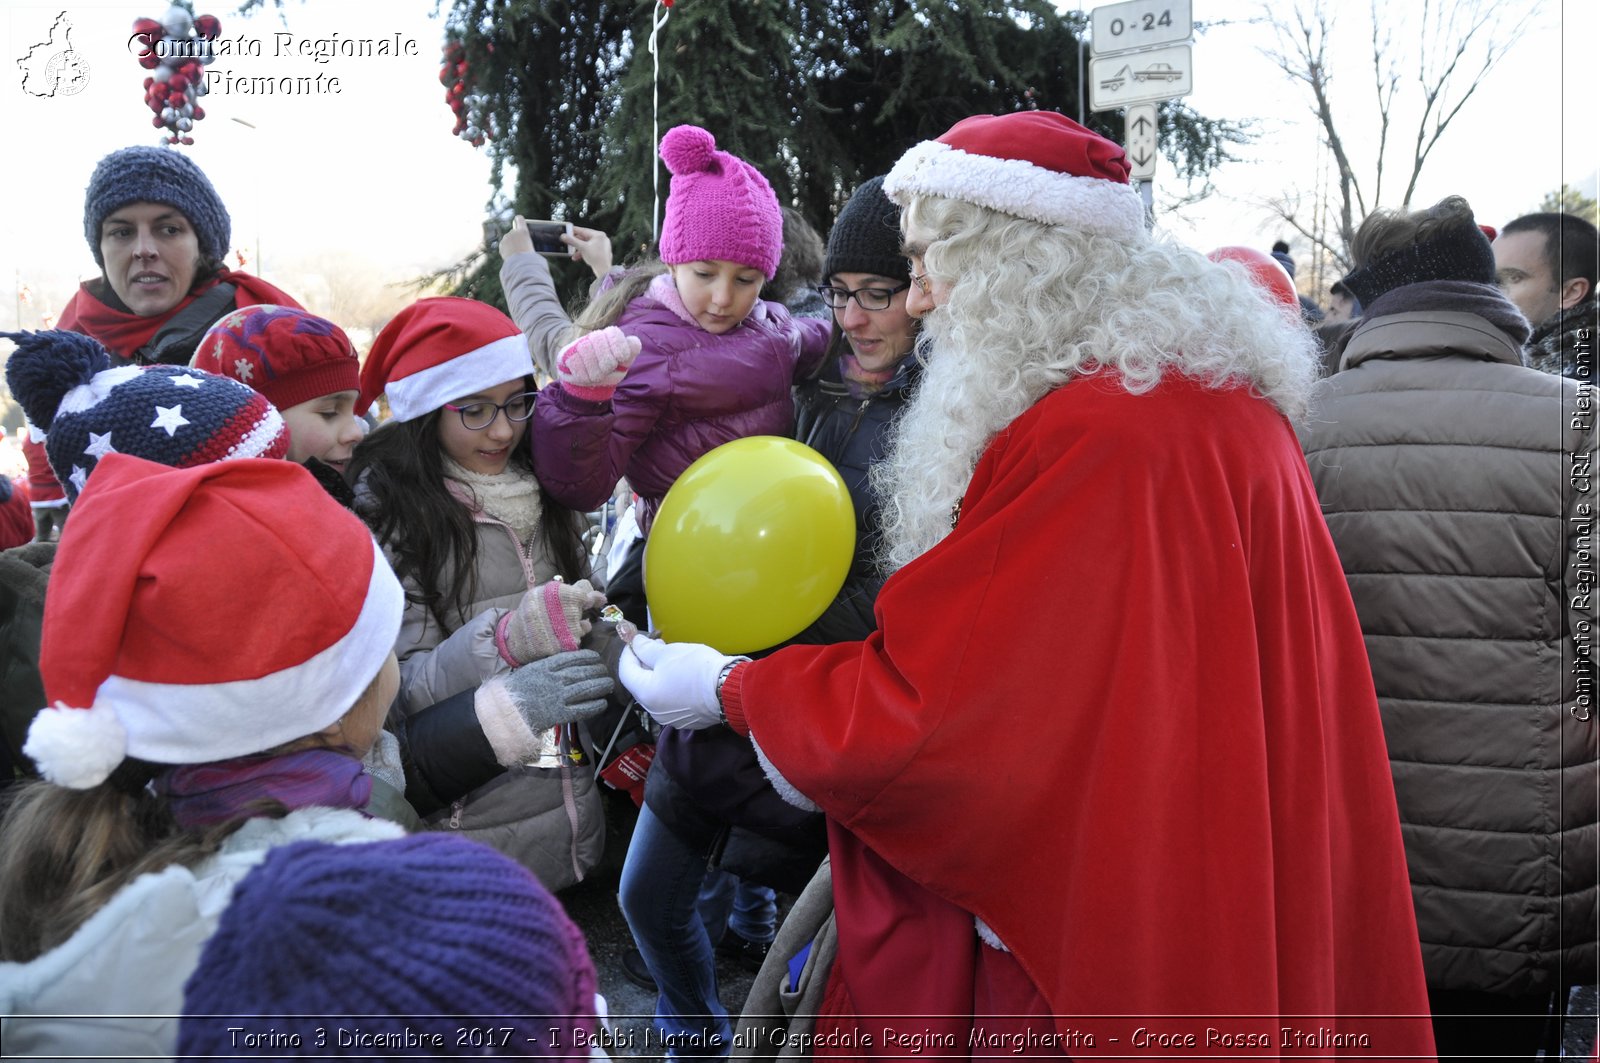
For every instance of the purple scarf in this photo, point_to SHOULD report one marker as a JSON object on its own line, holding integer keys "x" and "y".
{"x": 203, "y": 795}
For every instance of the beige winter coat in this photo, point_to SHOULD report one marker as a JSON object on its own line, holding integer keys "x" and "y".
{"x": 1455, "y": 482}
{"x": 549, "y": 818}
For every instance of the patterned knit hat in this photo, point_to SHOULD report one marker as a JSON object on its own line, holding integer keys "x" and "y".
{"x": 288, "y": 355}
{"x": 413, "y": 938}
{"x": 156, "y": 175}
{"x": 1037, "y": 165}
{"x": 163, "y": 413}
{"x": 866, "y": 236}
{"x": 197, "y": 615}
{"x": 720, "y": 208}
{"x": 437, "y": 350}
{"x": 1456, "y": 253}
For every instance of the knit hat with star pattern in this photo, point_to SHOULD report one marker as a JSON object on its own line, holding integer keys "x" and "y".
{"x": 163, "y": 413}
{"x": 287, "y": 354}
{"x": 202, "y": 614}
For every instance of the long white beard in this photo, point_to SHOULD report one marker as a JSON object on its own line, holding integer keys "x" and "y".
{"x": 959, "y": 407}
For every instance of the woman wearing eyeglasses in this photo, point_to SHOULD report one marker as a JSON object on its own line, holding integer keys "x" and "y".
{"x": 844, "y": 411}
{"x": 494, "y": 575}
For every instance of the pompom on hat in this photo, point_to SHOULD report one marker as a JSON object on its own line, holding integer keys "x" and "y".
{"x": 418, "y": 936}
{"x": 720, "y": 208}
{"x": 287, "y": 354}
{"x": 156, "y": 175}
{"x": 1037, "y": 165}
{"x": 866, "y": 236}
{"x": 196, "y": 615}
{"x": 165, "y": 413}
{"x": 436, "y": 351}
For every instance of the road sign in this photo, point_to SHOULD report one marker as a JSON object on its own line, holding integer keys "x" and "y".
{"x": 1118, "y": 28}
{"x": 1139, "y": 77}
{"x": 1139, "y": 141}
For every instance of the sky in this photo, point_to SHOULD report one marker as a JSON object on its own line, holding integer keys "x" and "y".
{"x": 371, "y": 174}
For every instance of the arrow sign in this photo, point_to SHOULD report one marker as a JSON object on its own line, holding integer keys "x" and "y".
{"x": 1140, "y": 136}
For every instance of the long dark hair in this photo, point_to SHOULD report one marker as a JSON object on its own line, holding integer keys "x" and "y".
{"x": 401, "y": 493}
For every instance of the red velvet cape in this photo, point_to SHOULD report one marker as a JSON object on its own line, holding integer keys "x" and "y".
{"x": 1123, "y": 714}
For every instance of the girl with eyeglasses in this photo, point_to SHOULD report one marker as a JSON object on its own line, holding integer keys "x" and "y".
{"x": 494, "y": 571}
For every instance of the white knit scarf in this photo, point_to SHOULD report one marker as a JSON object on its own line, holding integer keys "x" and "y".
{"x": 510, "y": 496}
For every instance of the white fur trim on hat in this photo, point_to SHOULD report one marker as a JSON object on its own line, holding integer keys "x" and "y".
{"x": 77, "y": 748}
{"x": 178, "y": 723}
{"x": 494, "y": 363}
{"x": 1018, "y": 187}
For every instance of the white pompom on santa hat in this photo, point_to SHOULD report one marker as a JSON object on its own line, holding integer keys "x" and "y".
{"x": 200, "y": 614}
{"x": 1037, "y": 165}
{"x": 438, "y": 350}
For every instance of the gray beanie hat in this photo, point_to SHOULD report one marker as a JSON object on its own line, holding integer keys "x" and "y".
{"x": 156, "y": 175}
{"x": 866, "y": 236}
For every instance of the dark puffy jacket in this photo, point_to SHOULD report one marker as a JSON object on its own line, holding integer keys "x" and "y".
{"x": 716, "y": 768}
{"x": 1449, "y": 476}
{"x": 688, "y": 392}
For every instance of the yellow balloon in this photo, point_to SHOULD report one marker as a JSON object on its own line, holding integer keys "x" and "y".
{"x": 750, "y": 545}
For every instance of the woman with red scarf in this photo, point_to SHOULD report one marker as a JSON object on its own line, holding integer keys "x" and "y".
{"x": 159, "y": 232}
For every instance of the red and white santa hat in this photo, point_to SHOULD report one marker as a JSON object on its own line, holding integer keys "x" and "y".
{"x": 1037, "y": 165}
{"x": 201, "y": 614}
{"x": 437, "y": 350}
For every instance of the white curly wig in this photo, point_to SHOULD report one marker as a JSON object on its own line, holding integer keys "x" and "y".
{"x": 1033, "y": 306}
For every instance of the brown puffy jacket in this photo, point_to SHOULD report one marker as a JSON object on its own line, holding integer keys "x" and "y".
{"x": 1455, "y": 482}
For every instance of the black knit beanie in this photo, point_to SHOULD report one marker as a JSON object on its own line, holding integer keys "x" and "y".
{"x": 156, "y": 175}
{"x": 1457, "y": 254}
{"x": 866, "y": 236}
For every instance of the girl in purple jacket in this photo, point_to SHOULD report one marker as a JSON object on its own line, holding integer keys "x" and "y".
{"x": 710, "y": 360}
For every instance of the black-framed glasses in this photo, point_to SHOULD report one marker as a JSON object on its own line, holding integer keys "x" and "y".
{"x": 866, "y": 298}
{"x": 476, "y": 416}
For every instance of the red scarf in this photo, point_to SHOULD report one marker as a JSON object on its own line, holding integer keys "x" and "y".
{"x": 123, "y": 332}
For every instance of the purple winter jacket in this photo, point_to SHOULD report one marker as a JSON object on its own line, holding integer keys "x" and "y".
{"x": 688, "y": 392}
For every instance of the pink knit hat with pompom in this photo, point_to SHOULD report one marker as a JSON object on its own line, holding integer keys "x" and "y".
{"x": 720, "y": 208}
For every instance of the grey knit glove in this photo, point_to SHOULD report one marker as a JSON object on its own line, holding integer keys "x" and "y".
{"x": 515, "y": 709}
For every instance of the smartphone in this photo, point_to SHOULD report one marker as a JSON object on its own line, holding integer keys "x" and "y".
{"x": 547, "y": 237}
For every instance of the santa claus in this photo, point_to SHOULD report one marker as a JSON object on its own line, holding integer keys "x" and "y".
{"x": 1110, "y": 775}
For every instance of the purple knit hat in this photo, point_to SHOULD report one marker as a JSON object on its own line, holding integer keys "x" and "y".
{"x": 412, "y": 940}
{"x": 720, "y": 208}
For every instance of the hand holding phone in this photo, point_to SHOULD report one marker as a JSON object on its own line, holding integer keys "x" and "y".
{"x": 541, "y": 236}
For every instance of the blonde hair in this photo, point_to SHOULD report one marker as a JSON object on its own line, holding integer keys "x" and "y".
{"x": 68, "y": 852}
{"x": 605, "y": 309}
{"x": 1035, "y": 306}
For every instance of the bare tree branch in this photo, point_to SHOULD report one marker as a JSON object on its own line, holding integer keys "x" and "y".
{"x": 1457, "y": 45}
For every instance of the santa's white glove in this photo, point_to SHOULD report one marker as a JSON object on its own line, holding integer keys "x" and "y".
{"x": 675, "y": 682}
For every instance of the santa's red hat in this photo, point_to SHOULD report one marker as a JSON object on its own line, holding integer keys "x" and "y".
{"x": 1037, "y": 165}
{"x": 438, "y": 350}
{"x": 201, "y": 614}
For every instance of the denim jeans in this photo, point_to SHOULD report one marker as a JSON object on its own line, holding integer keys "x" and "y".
{"x": 749, "y": 910}
{"x": 661, "y": 880}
